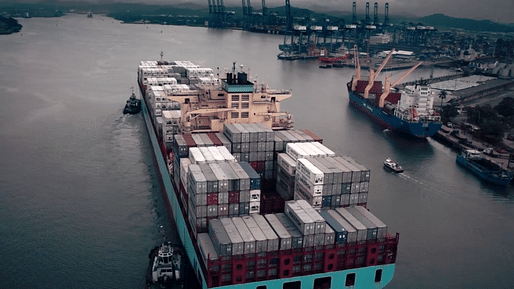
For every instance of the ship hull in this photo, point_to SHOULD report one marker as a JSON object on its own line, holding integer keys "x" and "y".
{"x": 484, "y": 174}
{"x": 416, "y": 129}
{"x": 364, "y": 277}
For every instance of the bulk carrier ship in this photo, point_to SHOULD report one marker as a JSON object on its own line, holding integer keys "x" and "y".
{"x": 257, "y": 203}
{"x": 409, "y": 111}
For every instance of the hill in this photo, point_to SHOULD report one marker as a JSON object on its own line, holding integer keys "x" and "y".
{"x": 443, "y": 21}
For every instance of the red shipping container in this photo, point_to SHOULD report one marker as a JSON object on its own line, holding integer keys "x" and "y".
{"x": 254, "y": 165}
{"x": 313, "y": 135}
{"x": 212, "y": 199}
{"x": 189, "y": 140}
{"x": 215, "y": 140}
{"x": 233, "y": 197}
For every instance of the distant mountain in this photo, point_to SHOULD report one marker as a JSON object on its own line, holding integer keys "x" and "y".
{"x": 441, "y": 20}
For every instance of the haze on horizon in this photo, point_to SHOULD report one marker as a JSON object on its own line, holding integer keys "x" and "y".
{"x": 501, "y": 11}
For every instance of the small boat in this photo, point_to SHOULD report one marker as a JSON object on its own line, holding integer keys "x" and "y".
{"x": 325, "y": 66}
{"x": 392, "y": 166}
{"x": 165, "y": 268}
{"x": 133, "y": 105}
{"x": 484, "y": 168}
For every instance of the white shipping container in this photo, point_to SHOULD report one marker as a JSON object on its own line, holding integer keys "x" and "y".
{"x": 218, "y": 157}
{"x": 255, "y": 195}
{"x": 196, "y": 156}
{"x": 307, "y": 169}
{"x": 255, "y": 207}
{"x": 328, "y": 152}
{"x": 314, "y": 190}
{"x": 287, "y": 163}
{"x": 226, "y": 154}
{"x": 295, "y": 152}
{"x": 184, "y": 170}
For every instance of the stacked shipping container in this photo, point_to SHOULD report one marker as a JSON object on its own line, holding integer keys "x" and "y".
{"x": 221, "y": 192}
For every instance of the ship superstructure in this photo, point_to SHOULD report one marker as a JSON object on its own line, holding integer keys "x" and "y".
{"x": 257, "y": 203}
{"x": 409, "y": 111}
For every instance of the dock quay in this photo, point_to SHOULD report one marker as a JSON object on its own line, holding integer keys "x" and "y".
{"x": 487, "y": 88}
{"x": 459, "y": 140}
{"x": 394, "y": 64}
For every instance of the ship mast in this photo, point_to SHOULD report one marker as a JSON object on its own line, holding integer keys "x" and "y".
{"x": 357, "y": 76}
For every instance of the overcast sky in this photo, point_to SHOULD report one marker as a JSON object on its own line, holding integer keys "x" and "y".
{"x": 495, "y": 10}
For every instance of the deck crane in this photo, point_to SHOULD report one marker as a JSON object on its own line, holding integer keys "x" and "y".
{"x": 373, "y": 75}
{"x": 388, "y": 85}
{"x": 357, "y": 76}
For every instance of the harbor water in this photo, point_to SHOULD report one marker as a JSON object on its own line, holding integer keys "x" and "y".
{"x": 81, "y": 203}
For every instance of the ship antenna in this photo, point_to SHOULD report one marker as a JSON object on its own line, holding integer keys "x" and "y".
{"x": 162, "y": 54}
{"x": 234, "y": 67}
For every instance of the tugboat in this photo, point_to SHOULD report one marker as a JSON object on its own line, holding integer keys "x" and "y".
{"x": 392, "y": 166}
{"x": 165, "y": 267}
{"x": 485, "y": 169}
{"x": 133, "y": 105}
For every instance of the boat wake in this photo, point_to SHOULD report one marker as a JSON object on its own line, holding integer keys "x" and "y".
{"x": 410, "y": 178}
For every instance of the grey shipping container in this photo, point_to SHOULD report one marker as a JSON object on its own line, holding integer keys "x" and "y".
{"x": 341, "y": 234}
{"x": 372, "y": 228}
{"x": 220, "y": 238}
{"x": 382, "y": 228}
{"x": 232, "y": 133}
{"x": 246, "y": 235}
{"x": 279, "y": 229}
{"x": 299, "y": 217}
{"x": 346, "y": 173}
{"x": 244, "y": 179}
{"x": 206, "y": 247}
{"x": 296, "y": 235}
{"x": 267, "y": 230}
{"x": 212, "y": 180}
{"x": 255, "y": 179}
{"x": 362, "y": 231}
{"x": 261, "y": 242}
{"x": 233, "y": 235}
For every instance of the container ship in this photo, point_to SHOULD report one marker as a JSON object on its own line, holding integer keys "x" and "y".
{"x": 409, "y": 111}
{"x": 257, "y": 203}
